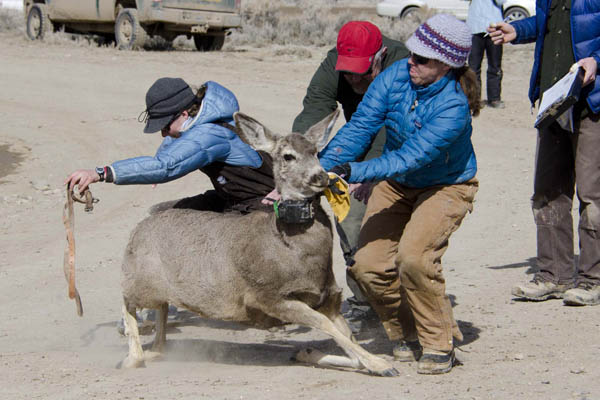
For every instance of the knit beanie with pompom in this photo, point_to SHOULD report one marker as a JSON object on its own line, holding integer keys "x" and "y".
{"x": 444, "y": 38}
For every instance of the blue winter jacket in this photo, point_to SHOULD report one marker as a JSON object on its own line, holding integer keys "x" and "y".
{"x": 201, "y": 144}
{"x": 585, "y": 40}
{"x": 428, "y": 132}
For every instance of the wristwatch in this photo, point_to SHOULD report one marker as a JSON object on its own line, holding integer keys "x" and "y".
{"x": 100, "y": 171}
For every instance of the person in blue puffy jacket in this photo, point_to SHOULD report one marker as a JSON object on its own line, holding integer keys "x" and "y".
{"x": 198, "y": 135}
{"x": 567, "y": 163}
{"x": 418, "y": 190}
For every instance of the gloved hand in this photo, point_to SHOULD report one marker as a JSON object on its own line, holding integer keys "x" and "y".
{"x": 343, "y": 170}
{"x": 338, "y": 196}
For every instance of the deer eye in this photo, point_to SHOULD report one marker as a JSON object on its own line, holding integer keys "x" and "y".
{"x": 288, "y": 157}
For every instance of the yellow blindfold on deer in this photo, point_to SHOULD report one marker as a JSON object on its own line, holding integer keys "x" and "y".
{"x": 338, "y": 196}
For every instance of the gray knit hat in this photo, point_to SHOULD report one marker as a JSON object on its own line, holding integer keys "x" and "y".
{"x": 444, "y": 38}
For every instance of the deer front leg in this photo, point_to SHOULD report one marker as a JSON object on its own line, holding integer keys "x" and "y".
{"x": 296, "y": 312}
{"x": 135, "y": 358}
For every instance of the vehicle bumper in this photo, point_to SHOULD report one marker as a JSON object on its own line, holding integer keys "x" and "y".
{"x": 184, "y": 20}
{"x": 388, "y": 10}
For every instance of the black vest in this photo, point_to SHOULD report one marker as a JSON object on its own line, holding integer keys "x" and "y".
{"x": 242, "y": 188}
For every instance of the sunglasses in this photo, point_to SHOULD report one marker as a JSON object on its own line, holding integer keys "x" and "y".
{"x": 419, "y": 59}
{"x": 168, "y": 125}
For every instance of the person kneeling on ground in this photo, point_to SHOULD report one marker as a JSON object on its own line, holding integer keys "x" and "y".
{"x": 197, "y": 135}
{"x": 423, "y": 185}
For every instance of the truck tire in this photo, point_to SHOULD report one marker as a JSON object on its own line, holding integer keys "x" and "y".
{"x": 410, "y": 13}
{"x": 129, "y": 34}
{"x": 38, "y": 23}
{"x": 209, "y": 42}
{"x": 515, "y": 14}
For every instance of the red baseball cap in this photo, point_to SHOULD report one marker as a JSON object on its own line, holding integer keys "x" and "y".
{"x": 357, "y": 43}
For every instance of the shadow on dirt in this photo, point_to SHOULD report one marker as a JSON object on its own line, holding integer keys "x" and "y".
{"x": 9, "y": 160}
{"x": 530, "y": 262}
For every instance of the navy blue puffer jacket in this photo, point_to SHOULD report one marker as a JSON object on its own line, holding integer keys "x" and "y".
{"x": 585, "y": 40}
{"x": 428, "y": 132}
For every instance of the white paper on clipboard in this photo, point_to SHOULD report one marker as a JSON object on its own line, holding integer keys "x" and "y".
{"x": 556, "y": 95}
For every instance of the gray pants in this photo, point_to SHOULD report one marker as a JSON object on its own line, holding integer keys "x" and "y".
{"x": 565, "y": 161}
{"x": 349, "y": 229}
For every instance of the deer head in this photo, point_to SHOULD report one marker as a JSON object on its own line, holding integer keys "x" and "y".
{"x": 296, "y": 168}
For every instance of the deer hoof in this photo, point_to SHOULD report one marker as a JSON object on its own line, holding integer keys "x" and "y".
{"x": 152, "y": 355}
{"x": 308, "y": 356}
{"x": 133, "y": 363}
{"x": 390, "y": 372}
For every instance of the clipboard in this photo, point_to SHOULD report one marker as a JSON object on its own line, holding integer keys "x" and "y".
{"x": 560, "y": 97}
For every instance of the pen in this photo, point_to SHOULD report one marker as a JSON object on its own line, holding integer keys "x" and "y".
{"x": 493, "y": 25}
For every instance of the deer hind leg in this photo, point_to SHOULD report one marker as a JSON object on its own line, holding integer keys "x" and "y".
{"x": 160, "y": 338}
{"x": 135, "y": 358}
{"x": 296, "y": 312}
{"x": 331, "y": 309}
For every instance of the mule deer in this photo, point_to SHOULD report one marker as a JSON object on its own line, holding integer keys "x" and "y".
{"x": 254, "y": 268}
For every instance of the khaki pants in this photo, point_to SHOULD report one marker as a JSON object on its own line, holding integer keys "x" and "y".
{"x": 403, "y": 236}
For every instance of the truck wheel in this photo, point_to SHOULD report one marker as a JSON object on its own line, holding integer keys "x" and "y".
{"x": 515, "y": 14}
{"x": 209, "y": 42}
{"x": 410, "y": 13}
{"x": 129, "y": 34}
{"x": 38, "y": 24}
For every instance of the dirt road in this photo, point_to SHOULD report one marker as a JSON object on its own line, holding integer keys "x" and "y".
{"x": 64, "y": 107}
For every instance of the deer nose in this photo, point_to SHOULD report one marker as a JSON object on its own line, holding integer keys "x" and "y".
{"x": 320, "y": 179}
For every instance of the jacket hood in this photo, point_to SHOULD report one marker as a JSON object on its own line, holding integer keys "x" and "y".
{"x": 219, "y": 104}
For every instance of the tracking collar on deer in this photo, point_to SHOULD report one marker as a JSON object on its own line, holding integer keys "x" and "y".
{"x": 295, "y": 211}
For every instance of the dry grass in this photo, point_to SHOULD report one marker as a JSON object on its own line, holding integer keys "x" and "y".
{"x": 309, "y": 23}
{"x": 11, "y": 21}
{"x": 288, "y": 24}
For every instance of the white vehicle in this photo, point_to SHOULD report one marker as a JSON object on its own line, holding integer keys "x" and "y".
{"x": 513, "y": 9}
{"x": 13, "y": 4}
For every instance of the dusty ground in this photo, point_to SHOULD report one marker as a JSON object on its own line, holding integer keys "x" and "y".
{"x": 64, "y": 107}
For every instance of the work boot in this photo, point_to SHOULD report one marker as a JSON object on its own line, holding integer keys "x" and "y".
{"x": 584, "y": 294}
{"x": 358, "y": 315}
{"x": 538, "y": 290}
{"x": 434, "y": 362}
{"x": 406, "y": 351}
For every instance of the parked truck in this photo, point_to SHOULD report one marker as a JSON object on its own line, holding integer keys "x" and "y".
{"x": 132, "y": 22}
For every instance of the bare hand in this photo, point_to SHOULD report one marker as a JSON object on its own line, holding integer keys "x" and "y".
{"x": 361, "y": 191}
{"x": 501, "y": 32}
{"x": 590, "y": 66}
{"x": 271, "y": 198}
{"x": 82, "y": 178}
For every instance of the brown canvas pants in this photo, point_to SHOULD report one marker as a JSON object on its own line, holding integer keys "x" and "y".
{"x": 403, "y": 236}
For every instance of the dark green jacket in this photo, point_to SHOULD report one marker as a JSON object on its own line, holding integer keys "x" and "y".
{"x": 328, "y": 87}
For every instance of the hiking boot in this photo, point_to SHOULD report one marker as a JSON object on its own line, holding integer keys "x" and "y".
{"x": 584, "y": 294}
{"x": 358, "y": 315}
{"x": 434, "y": 362}
{"x": 538, "y": 290}
{"x": 406, "y": 351}
{"x": 496, "y": 104}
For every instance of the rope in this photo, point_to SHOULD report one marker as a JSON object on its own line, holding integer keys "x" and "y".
{"x": 69, "y": 258}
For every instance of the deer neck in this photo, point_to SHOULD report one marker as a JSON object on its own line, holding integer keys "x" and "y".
{"x": 298, "y": 215}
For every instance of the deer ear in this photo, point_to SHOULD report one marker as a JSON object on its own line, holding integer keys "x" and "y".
{"x": 254, "y": 133}
{"x": 319, "y": 132}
